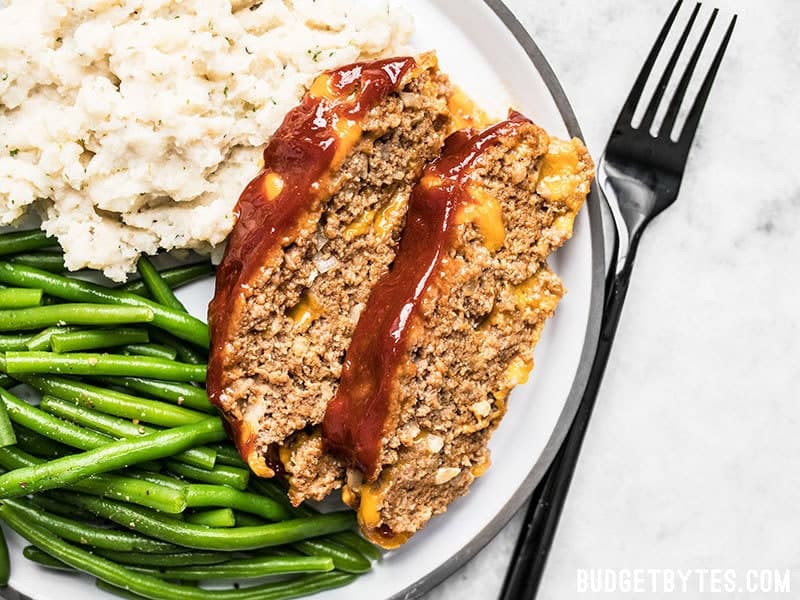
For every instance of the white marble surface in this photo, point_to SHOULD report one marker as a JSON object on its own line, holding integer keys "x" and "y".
{"x": 691, "y": 458}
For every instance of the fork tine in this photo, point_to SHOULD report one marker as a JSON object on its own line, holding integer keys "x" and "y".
{"x": 626, "y": 114}
{"x": 690, "y": 128}
{"x": 658, "y": 94}
{"x": 677, "y": 99}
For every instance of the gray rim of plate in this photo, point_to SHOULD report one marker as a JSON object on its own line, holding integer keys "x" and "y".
{"x": 460, "y": 558}
{"x": 499, "y": 521}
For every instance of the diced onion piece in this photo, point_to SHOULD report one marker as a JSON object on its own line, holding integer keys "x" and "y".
{"x": 445, "y": 474}
{"x": 324, "y": 264}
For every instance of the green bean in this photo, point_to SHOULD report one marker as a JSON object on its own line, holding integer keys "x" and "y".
{"x": 114, "y": 403}
{"x": 229, "y": 455}
{"x": 62, "y": 509}
{"x": 39, "y": 421}
{"x": 182, "y": 394}
{"x": 272, "y": 490}
{"x": 201, "y": 457}
{"x": 186, "y": 352}
{"x": 343, "y": 557}
{"x": 7, "y": 437}
{"x": 116, "y": 591}
{"x": 5, "y": 562}
{"x": 219, "y": 475}
{"x": 350, "y": 539}
{"x": 158, "y": 288}
{"x": 354, "y": 541}
{"x": 101, "y": 364}
{"x": 278, "y": 551}
{"x": 244, "y": 519}
{"x": 72, "y": 314}
{"x": 71, "y": 469}
{"x": 88, "y": 535}
{"x": 132, "y": 490}
{"x": 232, "y": 539}
{"x": 22, "y": 241}
{"x": 154, "y": 350}
{"x": 152, "y": 587}
{"x": 109, "y": 486}
{"x": 204, "y": 495}
{"x": 34, "y": 554}
{"x": 176, "y": 559}
{"x": 174, "y": 278}
{"x": 218, "y": 517}
{"x": 251, "y": 568}
{"x": 51, "y": 427}
{"x": 190, "y": 355}
{"x": 178, "y": 323}
{"x": 97, "y": 338}
{"x": 20, "y": 297}
{"x": 41, "y": 341}
{"x": 38, "y": 445}
{"x": 159, "y": 478}
{"x": 293, "y": 588}
{"x": 200, "y": 495}
{"x": 52, "y": 262}
{"x": 16, "y": 341}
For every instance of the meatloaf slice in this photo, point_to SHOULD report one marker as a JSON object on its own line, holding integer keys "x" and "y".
{"x": 316, "y": 229}
{"x": 451, "y": 329}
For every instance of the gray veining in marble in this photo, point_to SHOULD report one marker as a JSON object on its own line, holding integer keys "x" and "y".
{"x": 691, "y": 458}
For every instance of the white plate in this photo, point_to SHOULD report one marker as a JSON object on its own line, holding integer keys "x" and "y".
{"x": 488, "y": 53}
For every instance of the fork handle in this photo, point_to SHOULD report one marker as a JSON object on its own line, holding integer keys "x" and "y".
{"x": 541, "y": 520}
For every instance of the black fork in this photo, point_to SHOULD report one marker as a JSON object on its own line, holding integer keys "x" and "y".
{"x": 641, "y": 173}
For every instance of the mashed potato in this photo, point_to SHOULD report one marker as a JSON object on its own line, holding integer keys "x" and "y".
{"x": 133, "y": 125}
